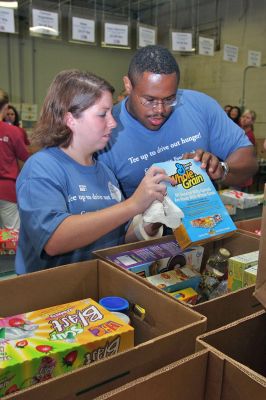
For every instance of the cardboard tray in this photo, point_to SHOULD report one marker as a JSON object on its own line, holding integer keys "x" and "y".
{"x": 219, "y": 311}
{"x": 249, "y": 226}
{"x": 202, "y": 376}
{"x": 167, "y": 333}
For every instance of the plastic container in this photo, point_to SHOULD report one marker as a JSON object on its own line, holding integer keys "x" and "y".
{"x": 217, "y": 264}
{"x": 114, "y": 303}
{"x": 122, "y": 316}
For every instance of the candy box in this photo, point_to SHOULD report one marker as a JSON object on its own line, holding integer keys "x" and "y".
{"x": 43, "y": 344}
{"x": 159, "y": 257}
{"x": 205, "y": 216}
{"x": 8, "y": 239}
{"x": 250, "y": 276}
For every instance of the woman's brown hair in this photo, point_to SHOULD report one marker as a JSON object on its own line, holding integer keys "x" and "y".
{"x": 71, "y": 91}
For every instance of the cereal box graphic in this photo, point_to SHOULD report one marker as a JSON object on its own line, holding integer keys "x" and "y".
{"x": 205, "y": 216}
{"x": 40, "y": 345}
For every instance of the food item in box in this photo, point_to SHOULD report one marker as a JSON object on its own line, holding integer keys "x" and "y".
{"x": 205, "y": 216}
{"x": 250, "y": 275}
{"x": 177, "y": 279}
{"x": 236, "y": 267}
{"x": 188, "y": 295}
{"x": 42, "y": 344}
{"x": 160, "y": 257}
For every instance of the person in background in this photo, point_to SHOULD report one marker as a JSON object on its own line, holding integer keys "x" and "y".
{"x": 157, "y": 123}
{"x": 12, "y": 149}
{"x": 12, "y": 117}
{"x": 235, "y": 114}
{"x": 70, "y": 203}
{"x": 227, "y": 109}
{"x": 247, "y": 122}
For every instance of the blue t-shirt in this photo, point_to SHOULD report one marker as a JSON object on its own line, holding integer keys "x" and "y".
{"x": 51, "y": 187}
{"x": 197, "y": 121}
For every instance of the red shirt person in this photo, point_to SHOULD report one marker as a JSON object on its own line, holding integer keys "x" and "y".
{"x": 12, "y": 149}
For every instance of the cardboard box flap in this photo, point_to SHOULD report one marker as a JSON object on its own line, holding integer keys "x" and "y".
{"x": 260, "y": 289}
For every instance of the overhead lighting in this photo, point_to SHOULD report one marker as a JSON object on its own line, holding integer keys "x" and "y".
{"x": 43, "y": 29}
{"x": 9, "y": 4}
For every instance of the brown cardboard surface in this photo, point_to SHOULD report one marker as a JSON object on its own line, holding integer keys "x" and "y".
{"x": 249, "y": 226}
{"x": 243, "y": 342}
{"x": 260, "y": 290}
{"x": 203, "y": 376}
{"x": 167, "y": 333}
{"x": 224, "y": 309}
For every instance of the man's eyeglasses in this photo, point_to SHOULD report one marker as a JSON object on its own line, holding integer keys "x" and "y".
{"x": 167, "y": 103}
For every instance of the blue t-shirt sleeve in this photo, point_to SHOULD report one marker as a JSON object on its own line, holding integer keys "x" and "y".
{"x": 42, "y": 208}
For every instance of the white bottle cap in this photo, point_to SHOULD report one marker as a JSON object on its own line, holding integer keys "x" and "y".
{"x": 122, "y": 316}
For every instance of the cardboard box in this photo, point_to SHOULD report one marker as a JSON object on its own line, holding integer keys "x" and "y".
{"x": 252, "y": 226}
{"x": 239, "y": 199}
{"x": 166, "y": 334}
{"x": 243, "y": 342}
{"x": 205, "y": 216}
{"x": 224, "y": 309}
{"x": 202, "y": 376}
{"x": 260, "y": 291}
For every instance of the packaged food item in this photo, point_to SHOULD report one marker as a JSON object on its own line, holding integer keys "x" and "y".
{"x": 122, "y": 316}
{"x": 239, "y": 199}
{"x": 217, "y": 263}
{"x": 236, "y": 267}
{"x": 177, "y": 279}
{"x": 115, "y": 303}
{"x": 160, "y": 257}
{"x": 43, "y": 344}
{"x": 188, "y": 295}
{"x": 205, "y": 216}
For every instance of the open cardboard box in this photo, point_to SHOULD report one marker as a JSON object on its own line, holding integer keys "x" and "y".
{"x": 244, "y": 341}
{"x": 202, "y": 376}
{"x": 249, "y": 226}
{"x": 219, "y": 311}
{"x": 167, "y": 333}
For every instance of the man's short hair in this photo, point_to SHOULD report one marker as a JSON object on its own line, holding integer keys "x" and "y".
{"x": 155, "y": 59}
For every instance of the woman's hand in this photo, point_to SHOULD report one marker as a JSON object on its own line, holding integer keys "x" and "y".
{"x": 152, "y": 187}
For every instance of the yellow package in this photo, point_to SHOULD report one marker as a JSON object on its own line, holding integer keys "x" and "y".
{"x": 43, "y": 344}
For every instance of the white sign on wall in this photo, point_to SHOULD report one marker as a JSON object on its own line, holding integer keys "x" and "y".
{"x": 29, "y": 112}
{"x": 230, "y": 53}
{"x": 181, "y": 41}
{"x": 147, "y": 36}
{"x": 7, "y": 20}
{"x": 115, "y": 34}
{"x": 83, "y": 29}
{"x": 45, "y": 22}
{"x": 206, "y": 46}
{"x": 254, "y": 58}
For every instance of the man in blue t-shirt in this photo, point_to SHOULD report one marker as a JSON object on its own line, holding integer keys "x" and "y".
{"x": 157, "y": 123}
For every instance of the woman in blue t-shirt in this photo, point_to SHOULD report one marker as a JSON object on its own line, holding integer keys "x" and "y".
{"x": 69, "y": 203}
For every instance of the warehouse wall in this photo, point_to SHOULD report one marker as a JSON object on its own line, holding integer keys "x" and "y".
{"x": 27, "y": 65}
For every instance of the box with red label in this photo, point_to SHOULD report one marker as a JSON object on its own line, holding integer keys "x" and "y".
{"x": 8, "y": 240}
{"x": 239, "y": 199}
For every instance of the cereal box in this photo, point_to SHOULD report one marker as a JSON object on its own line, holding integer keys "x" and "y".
{"x": 160, "y": 257}
{"x": 39, "y": 345}
{"x": 188, "y": 295}
{"x": 205, "y": 216}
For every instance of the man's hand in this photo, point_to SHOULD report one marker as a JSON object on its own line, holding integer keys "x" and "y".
{"x": 209, "y": 162}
